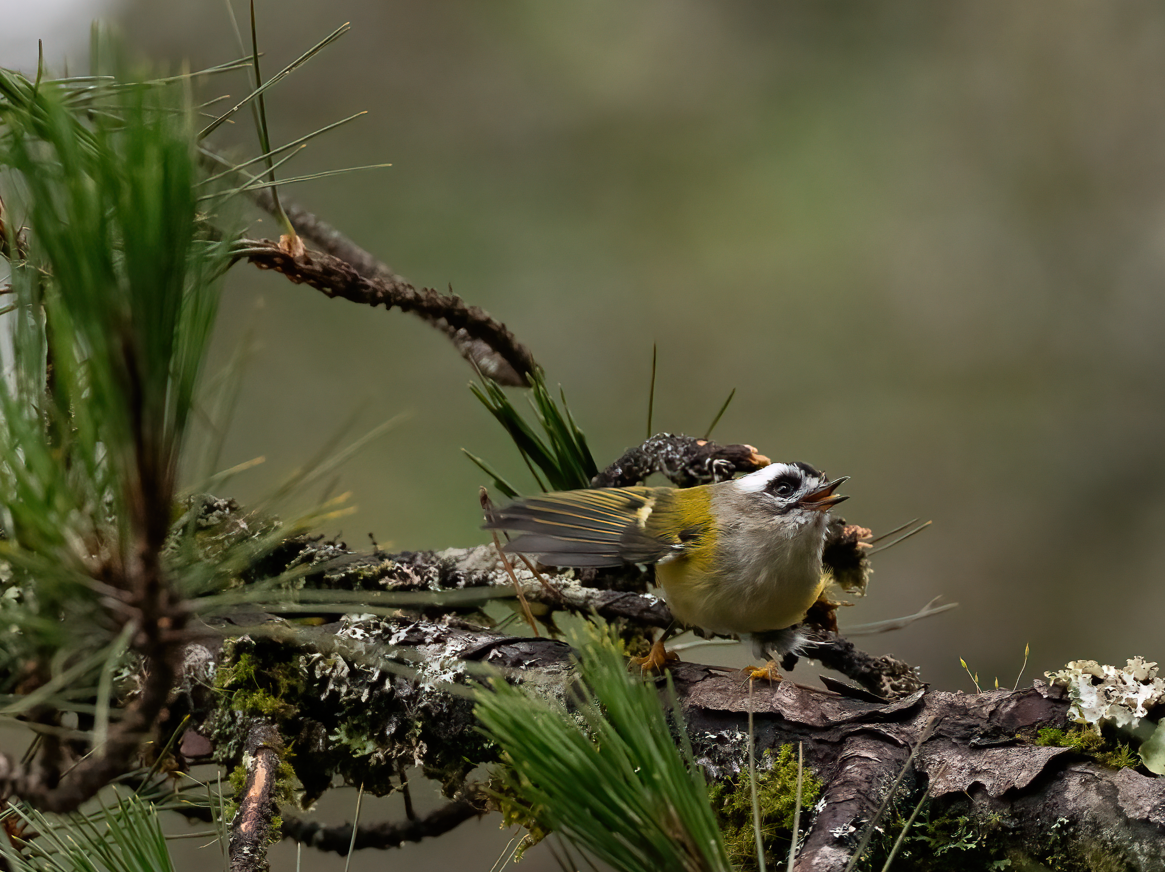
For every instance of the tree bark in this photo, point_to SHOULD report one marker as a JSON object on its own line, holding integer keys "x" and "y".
{"x": 404, "y": 680}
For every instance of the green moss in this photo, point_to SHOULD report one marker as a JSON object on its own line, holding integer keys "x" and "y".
{"x": 238, "y": 783}
{"x": 1056, "y": 856}
{"x": 287, "y": 780}
{"x": 515, "y": 811}
{"x": 286, "y": 783}
{"x": 952, "y": 840}
{"x": 956, "y": 834}
{"x": 1115, "y": 755}
{"x": 264, "y": 686}
{"x": 777, "y": 798}
{"x": 937, "y": 842}
{"x": 238, "y": 779}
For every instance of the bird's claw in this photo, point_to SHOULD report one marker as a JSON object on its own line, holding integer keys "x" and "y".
{"x": 656, "y": 660}
{"x": 767, "y": 672}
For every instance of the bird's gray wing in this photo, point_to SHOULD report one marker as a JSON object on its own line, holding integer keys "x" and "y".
{"x": 599, "y": 527}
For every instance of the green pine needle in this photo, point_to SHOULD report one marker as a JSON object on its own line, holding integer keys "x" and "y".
{"x": 719, "y": 415}
{"x": 554, "y": 448}
{"x": 125, "y": 836}
{"x": 229, "y": 168}
{"x": 606, "y": 774}
{"x": 274, "y": 80}
{"x": 500, "y": 484}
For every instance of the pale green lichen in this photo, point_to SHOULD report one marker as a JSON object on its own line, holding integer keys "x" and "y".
{"x": 1120, "y": 700}
{"x": 1104, "y": 695}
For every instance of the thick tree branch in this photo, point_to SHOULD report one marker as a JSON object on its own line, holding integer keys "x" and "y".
{"x": 612, "y": 595}
{"x": 975, "y": 753}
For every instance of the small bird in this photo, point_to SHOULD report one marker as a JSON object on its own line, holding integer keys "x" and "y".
{"x": 736, "y": 557}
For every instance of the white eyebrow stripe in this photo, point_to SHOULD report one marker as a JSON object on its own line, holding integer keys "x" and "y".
{"x": 755, "y": 482}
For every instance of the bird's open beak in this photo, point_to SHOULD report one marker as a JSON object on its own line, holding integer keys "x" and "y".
{"x": 822, "y": 499}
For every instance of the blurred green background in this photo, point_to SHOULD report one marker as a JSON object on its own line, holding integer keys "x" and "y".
{"x": 925, "y": 243}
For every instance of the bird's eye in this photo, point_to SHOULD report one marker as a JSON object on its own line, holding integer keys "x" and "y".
{"x": 785, "y": 486}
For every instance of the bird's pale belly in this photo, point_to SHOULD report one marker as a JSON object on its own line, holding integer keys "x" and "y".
{"x": 727, "y": 605}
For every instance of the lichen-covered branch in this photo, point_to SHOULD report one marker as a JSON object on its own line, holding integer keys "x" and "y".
{"x": 620, "y": 595}
{"x": 976, "y": 755}
{"x": 251, "y": 827}
{"x": 486, "y": 342}
{"x": 371, "y": 695}
{"x": 885, "y": 676}
{"x": 475, "y": 346}
{"x": 684, "y": 460}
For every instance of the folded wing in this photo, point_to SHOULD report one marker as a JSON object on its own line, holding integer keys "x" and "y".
{"x": 600, "y": 527}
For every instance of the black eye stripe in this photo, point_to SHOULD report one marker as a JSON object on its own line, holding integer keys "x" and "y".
{"x": 784, "y": 485}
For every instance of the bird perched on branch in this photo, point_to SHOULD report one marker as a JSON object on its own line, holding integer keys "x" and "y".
{"x": 735, "y": 557}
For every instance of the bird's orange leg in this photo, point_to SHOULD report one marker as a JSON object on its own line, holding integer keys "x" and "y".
{"x": 756, "y": 673}
{"x": 658, "y": 657}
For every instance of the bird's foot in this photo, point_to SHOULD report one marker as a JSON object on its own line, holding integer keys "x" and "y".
{"x": 767, "y": 672}
{"x": 656, "y": 660}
